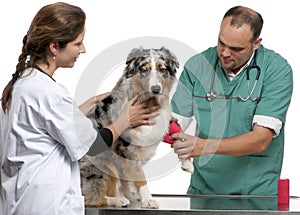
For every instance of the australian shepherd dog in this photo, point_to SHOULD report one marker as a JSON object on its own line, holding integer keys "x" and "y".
{"x": 115, "y": 177}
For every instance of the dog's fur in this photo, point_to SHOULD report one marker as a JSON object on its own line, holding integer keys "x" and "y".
{"x": 116, "y": 176}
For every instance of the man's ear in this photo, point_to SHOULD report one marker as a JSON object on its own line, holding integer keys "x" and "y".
{"x": 257, "y": 43}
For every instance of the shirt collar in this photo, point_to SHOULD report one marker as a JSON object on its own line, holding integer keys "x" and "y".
{"x": 232, "y": 75}
{"x": 42, "y": 71}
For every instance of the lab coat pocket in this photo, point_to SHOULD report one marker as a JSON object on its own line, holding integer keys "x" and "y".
{"x": 77, "y": 204}
{"x": 71, "y": 204}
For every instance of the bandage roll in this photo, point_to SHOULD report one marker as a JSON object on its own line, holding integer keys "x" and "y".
{"x": 283, "y": 191}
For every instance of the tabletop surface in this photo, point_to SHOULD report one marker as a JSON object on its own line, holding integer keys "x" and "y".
{"x": 207, "y": 204}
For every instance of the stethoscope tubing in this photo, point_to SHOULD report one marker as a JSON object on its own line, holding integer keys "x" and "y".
{"x": 211, "y": 95}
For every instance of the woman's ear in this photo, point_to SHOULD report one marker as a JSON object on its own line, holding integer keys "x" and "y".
{"x": 53, "y": 47}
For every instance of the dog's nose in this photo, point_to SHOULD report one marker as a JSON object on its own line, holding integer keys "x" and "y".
{"x": 156, "y": 89}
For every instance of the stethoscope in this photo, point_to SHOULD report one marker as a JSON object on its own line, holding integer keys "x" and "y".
{"x": 211, "y": 95}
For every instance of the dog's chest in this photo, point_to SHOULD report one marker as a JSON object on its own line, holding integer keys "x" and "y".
{"x": 152, "y": 134}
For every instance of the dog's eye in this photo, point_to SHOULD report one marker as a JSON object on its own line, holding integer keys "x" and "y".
{"x": 163, "y": 70}
{"x": 144, "y": 70}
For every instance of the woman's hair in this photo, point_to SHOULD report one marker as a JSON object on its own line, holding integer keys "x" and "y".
{"x": 60, "y": 23}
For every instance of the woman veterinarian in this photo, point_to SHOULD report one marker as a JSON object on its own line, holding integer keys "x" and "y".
{"x": 43, "y": 133}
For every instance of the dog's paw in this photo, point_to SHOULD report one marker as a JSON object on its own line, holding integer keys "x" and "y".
{"x": 187, "y": 165}
{"x": 117, "y": 201}
{"x": 150, "y": 203}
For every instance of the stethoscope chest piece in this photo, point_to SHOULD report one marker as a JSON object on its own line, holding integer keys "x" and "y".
{"x": 211, "y": 95}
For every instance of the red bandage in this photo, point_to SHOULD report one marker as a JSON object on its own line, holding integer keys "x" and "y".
{"x": 173, "y": 128}
{"x": 283, "y": 191}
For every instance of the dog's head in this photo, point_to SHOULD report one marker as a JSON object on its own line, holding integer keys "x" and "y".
{"x": 152, "y": 71}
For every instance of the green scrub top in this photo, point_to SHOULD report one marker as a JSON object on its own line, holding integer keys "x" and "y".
{"x": 253, "y": 174}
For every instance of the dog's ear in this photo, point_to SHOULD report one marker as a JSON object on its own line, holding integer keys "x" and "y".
{"x": 170, "y": 56}
{"x": 132, "y": 56}
{"x": 172, "y": 60}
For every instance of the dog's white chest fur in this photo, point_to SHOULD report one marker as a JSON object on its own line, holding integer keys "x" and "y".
{"x": 150, "y": 136}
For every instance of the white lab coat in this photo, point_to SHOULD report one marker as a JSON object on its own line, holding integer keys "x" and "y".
{"x": 42, "y": 138}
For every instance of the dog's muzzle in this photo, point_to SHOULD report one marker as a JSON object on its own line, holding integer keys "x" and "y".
{"x": 156, "y": 89}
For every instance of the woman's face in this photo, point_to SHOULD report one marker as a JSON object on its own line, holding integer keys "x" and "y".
{"x": 67, "y": 56}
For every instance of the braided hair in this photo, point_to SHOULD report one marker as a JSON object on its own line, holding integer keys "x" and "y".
{"x": 60, "y": 23}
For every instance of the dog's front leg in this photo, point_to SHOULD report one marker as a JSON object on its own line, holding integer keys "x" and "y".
{"x": 141, "y": 185}
{"x": 187, "y": 165}
{"x": 146, "y": 198}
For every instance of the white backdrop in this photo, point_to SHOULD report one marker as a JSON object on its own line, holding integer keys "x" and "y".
{"x": 194, "y": 23}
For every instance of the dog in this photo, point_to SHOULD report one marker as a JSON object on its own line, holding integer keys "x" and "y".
{"x": 115, "y": 177}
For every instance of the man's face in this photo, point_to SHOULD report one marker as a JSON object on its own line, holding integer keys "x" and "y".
{"x": 235, "y": 45}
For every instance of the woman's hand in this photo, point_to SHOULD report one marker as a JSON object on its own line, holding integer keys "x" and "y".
{"x": 100, "y": 97}
{"x": 132, "y": 116}
{"x": 136, "y": 115}
{"x": 88, "y": 105}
